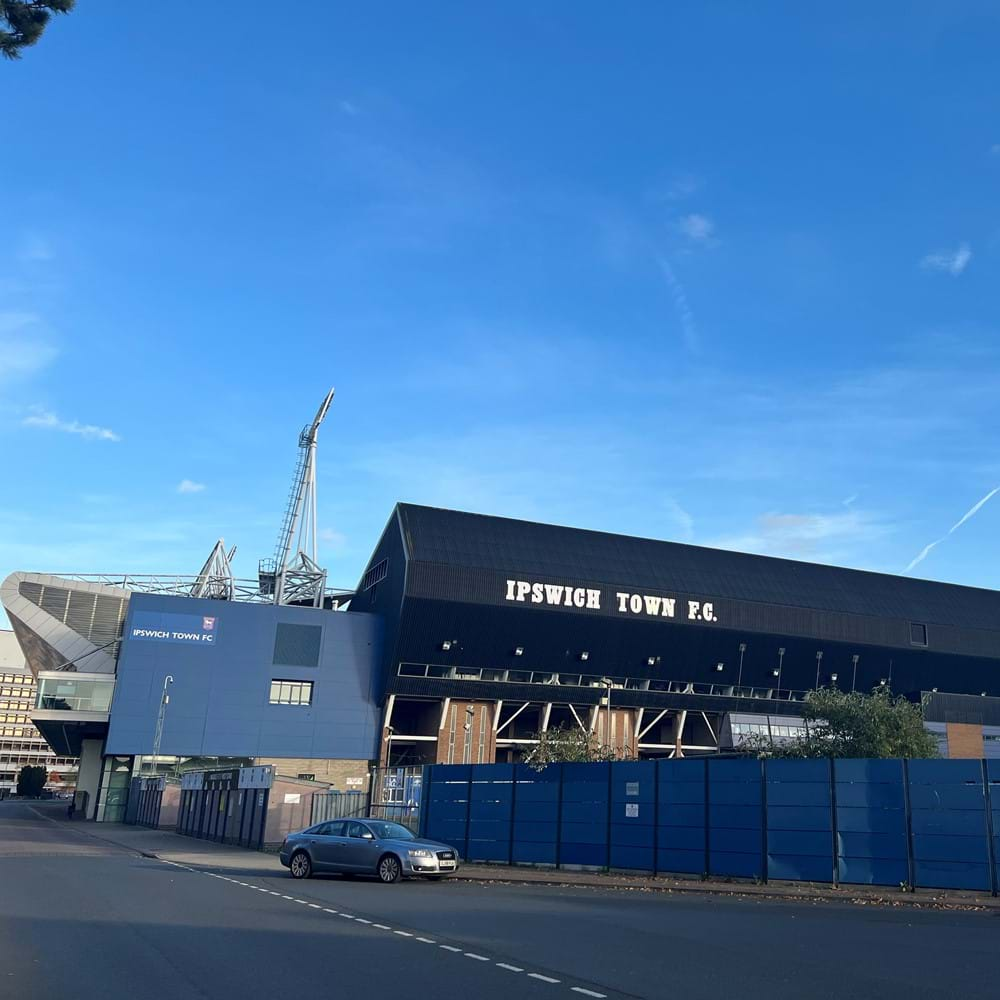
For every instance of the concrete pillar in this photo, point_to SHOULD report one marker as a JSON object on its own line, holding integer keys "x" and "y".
{"x": 89, "y": 777}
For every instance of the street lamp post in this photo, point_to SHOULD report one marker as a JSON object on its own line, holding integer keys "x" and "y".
{"x": 854, "y": 676}
{"x": 781, "y": 661}
{"x": 739, "y": 679}
{"x": 819, "y": 660}
{"x": 160, "y": 716}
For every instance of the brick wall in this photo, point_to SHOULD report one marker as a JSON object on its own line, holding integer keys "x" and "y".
{"x": 480, "y": 737}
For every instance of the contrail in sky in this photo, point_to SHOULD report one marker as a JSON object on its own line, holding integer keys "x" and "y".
{"x": 958, "y": 524}
{"x": 682, "y": 306}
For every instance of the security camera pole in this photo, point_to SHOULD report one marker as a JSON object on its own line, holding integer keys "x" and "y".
{"x": 607, "y": 682}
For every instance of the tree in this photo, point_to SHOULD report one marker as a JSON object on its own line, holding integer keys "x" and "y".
{"x": 853, "y": 724}
{"x": 566, "y": 746}
{"x": 26, "y": 20}
{"x": 31, "y": 780}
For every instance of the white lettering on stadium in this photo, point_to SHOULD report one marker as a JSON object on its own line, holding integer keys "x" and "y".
{"x": 553, "y": 593}
{"x": 627, "y": 603}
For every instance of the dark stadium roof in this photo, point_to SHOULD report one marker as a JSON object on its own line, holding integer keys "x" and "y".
{"x": 528, "y": 549}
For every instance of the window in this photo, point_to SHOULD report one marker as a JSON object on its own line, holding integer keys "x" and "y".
{"x": 359, "y": 831}
{"x": 336, "y": 829}
{"x": 376, "y": 574}
{"x": 306, "y": 777}
{"x": 291, "y": 692}
{"x": 918, "y": 634}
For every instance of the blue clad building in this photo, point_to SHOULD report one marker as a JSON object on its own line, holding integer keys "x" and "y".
{"x": 249, "y": 680}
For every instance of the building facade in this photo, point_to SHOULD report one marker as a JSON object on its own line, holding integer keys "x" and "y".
{"x": 466, "y": 638}
{"x": 496, "y": 630}
{"x": 21, "y": 744}
{"x": 248, "y": 681}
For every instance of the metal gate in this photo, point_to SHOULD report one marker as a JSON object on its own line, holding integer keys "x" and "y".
{"x": 396, "y": 794}
{"x": 145, "y": 798}
{"x": 228, "y": 806}
{"x": 338, "y": 805}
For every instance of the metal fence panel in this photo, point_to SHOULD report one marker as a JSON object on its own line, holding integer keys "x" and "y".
{"x": 535, "y": 827}
{"x": 633, "y": 815}
{"x": 681, "y": 816}
{"x": 950, "y": 844}
{"x": 735, "y": 814}
{"x": 490, "y": 810}
{"x": 877, "y": 822}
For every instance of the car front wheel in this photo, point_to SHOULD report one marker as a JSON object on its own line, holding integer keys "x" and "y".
{"x": 389, "y": 869}
{"x": 300, "y": 866}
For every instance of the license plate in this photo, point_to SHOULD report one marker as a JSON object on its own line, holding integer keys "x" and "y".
{"x": 447, "y": 864}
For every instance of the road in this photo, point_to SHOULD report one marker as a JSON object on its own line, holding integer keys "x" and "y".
{"x": 85, "y": 919}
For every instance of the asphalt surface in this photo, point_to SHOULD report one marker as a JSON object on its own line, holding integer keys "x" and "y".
{"x": 84, "y": 918}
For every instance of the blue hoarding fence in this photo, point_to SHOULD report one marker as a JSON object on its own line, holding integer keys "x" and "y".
{"x": 918, "y": 823}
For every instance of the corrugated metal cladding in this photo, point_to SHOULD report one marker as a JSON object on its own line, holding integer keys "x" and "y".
{"x": 527, "y": 550}
{"x": 942, "y": 707}
{"x": 479, "y": 586}
{"x": 96, "y": 617}
{"x": 552, "y": 640}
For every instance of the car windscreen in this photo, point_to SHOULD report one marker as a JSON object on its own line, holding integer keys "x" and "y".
{"x": 389, "y": 831}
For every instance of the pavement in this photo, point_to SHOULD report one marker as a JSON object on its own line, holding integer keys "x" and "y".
{"x": 171, "y": 846}
{"x": 84, "y": 913}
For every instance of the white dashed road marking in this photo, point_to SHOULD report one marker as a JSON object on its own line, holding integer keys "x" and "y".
{"x": 385, "y": 927}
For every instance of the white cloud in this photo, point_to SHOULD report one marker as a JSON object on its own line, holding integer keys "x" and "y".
{"x": 23, "y": 351}
{"x": 699, "y": 228}
{"x": 682, "y": 519}
{"x": 952, "y": 262}
{"x": 35, "y": 249}
{"x": 349, "y": 108}
{"x": 333, "y": 541}
{"x": 995, "y": 149}
{"x": 49, "y": 421}
{"x": 678, "y": 188}
{"x": 189, "y": 486}
{"x": 820, "y": 537}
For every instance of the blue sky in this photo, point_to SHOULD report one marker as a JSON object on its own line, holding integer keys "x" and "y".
{"x": 713, "y": 272}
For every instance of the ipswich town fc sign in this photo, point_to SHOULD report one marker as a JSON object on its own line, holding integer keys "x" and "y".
{"x": 618, "y": 601}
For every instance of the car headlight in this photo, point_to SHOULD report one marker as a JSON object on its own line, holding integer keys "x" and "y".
{"x": 419, "y": 852}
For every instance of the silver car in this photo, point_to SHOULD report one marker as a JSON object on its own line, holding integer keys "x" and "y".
{"x": 366, "y": 847}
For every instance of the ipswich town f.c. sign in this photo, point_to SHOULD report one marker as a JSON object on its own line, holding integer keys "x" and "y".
{"x": 619, "y": 601}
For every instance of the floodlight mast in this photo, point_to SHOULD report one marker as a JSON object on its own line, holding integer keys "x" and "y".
{"x": 294, "y": 575}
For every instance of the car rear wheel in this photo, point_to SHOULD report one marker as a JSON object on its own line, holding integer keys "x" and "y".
{"x": 389, "y": 869}
{"x": 300, "y": 866}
